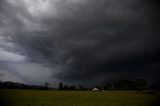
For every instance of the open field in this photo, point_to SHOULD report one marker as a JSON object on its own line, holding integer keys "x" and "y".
{"x": 75, "y": 98}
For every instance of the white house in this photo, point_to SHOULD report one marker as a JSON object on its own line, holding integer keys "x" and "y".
{"x": 95, "y": 89}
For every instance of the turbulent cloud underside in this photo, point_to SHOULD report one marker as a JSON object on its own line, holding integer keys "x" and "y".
{"x": 79, "y": 41}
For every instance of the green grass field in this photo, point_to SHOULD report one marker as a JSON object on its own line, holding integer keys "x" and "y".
{"x": 75, "y": 98}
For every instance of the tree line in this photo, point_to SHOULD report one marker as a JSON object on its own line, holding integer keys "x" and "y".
{"x": 122, "y": 84}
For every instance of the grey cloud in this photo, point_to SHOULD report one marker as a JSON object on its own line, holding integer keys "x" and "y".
{"x": 26, "y": 72}
{"x": 94, "y": 40}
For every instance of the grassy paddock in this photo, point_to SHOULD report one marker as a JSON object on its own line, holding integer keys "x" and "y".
{"x": 75, "y": 98}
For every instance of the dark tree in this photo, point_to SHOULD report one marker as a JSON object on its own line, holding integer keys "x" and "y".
{"x": 124, "y": 84}
{"x": 46, "y": 84}
{"x": 80, "y": 87}
{"x": 107, "y": 86}
{"x": 60, "y": 86}
{"x": 130, "y": 84}
{"x": 140, "y": 83}
{"x": 72, "y": 87}
{"x": 0, "y": 84}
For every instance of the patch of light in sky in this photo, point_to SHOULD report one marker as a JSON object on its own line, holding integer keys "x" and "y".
{"x": 10, "y": 56}
{"x": 37, "y": 7}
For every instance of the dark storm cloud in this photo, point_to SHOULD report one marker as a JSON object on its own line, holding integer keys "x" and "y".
{"x": 88, "y": 40}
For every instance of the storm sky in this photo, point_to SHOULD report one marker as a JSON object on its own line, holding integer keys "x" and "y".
{"x": 79, "y": 41}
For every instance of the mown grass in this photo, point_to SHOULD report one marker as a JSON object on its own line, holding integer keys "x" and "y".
{"x": 75, "y": 98}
